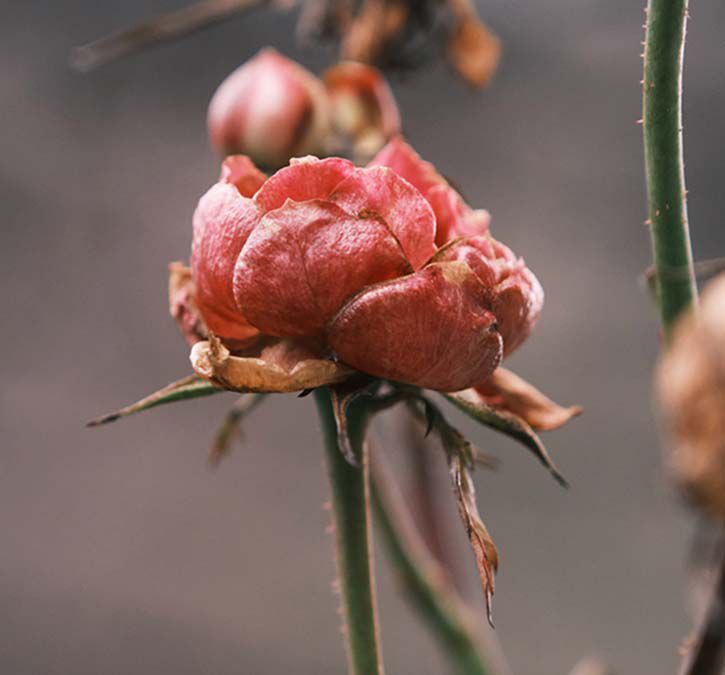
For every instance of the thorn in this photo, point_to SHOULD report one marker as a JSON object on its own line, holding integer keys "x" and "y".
{"x": 640, "y": 121}
{"x": 647, "y": 222}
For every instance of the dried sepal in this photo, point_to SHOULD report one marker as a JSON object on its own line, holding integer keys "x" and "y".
{"x": 342, "y": 396}
{"x": 481, "y": 542}
{"x": 230, "y": 427}
{"x": 474, "y": 51}
{"x": 182, "y": 304}
{"x": 188, "y": 387}
{"x": 506, "y": 390}
{"x": 281, "y": 366}
{"x": 472, "y": 403}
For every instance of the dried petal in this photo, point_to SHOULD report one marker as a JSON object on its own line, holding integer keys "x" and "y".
{"x": 507, "y": 391}
{"x": 182, "y": 303}
{"x": 407, "y": 163}
{"x": 271, "y": 109}
{"x": 454, "y": 218}
{"x": 305, "y": 259}
{"x": 283, "y": 366}
{"x": 304, "y": 179}
{"x": 240, "y": 171}
{"x": 429, "y": 329}
{"x": 380, "y": 191}
{"x": 474, "y": 51}
{"x": 222, "y": 222}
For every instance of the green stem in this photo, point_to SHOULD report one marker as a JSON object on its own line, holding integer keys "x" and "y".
{"x": 351, "y": 514}
{"x": 451, "y": 621}
{"x": 664, "y": 165}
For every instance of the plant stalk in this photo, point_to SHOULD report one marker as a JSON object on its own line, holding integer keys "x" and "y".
{"x": 664, "y": 164}
{"x": 352, "y": 522}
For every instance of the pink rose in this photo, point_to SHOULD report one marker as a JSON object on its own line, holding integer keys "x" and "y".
{"x": 384, "y": 268}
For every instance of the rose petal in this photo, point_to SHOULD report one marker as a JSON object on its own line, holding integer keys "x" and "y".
{"x": 507, "y": 391}
{"x": 512, "y": 293}
{"x": 454, "y": 218}
{"x": 182, "y": 303}
{"x": 381, "y": 191}
{"x": 222, "y": 223}
{"x": 240, "y": 171}
{"x": 430, "y": 329}
{"x": 407, "y": 163}
{"x": 283, "y": 366}
{"x": 304, "y": 179}
{"x": 304, "y": 260}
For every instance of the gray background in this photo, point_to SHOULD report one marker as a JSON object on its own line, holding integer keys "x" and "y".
{"x": 121, "y": 552}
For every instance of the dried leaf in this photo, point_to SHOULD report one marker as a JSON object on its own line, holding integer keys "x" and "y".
{"x": 188, "y": 387}
{"x": 506, "y": 390}
{"x": 342, "y": 395}
{"x": 472, "y": 403}
{"x": 280, "y": 366}
{"x": 483, "y": 547}
{"x": 231, "y": 426}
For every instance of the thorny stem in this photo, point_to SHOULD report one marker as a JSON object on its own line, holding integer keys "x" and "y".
{"x": 164, "y": 28}
{"x": 351, "y": 517}
{"x": 455, "y": 626}
{"x": 664, "y": 165}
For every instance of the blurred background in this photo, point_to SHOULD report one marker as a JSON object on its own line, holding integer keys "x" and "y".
{"x": 122, "y": 552}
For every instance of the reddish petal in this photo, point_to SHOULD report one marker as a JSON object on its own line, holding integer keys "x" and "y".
{"x": 304, "y": 260}
{"x": 407, "y": 163}
{"x": 382, "y": 192}
{"x": 454, "y": 218}
{"x": 429, "y": 329}
{"x": 511, "y": 292}
{"x": 222, "y": 223}
{"x": 240, "y": 171}
{"x": 304, "y": 179}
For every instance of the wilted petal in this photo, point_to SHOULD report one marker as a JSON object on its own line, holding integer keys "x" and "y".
{"x": 304, "y": 260}
{"x": 454, "y": 218}
{"x": 283, "y": 366}
{"x": 407, "y": 163}
{"x": 430, "y": 329}
{"x": 512, "y": 292}
{"x": 222, "y": 222}
{"x": 240, "y": 171}
{"x": 304, "y": 179}
{"x": 506, "y": 390}
{"x": 380, "y": 191}
{"x": 182, "y": 303}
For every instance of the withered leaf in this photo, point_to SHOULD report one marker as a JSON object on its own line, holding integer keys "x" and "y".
{"x": 472, "y": 403}
{"x": 474, "y": 51}
{"x": 504, "y": 389}
{"x": 231, "y": 425}
{"x": 192, "y": 386}
{"x": 283, "y": 366}
{"x": 483, "y": 547}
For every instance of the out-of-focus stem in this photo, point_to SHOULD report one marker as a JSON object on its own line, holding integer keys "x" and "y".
{"x": 664, "y": 165}
{"x": 706, "y": 656}
{"x": 451, "y": 621}
{"x": 164, "y": 28}
{"x": 351, "y": 514}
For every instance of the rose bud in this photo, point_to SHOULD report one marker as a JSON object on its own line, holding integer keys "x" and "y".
{"x": 344, "y": 261}
{"x": 271, "y": 109}
{"x": 363, "y": 107}
{"x": 691, "y": 388}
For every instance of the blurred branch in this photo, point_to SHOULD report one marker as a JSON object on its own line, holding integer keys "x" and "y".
{"x": 664, "y": 164}
{"x": 160, "y": 29}
{"x": 706, "y": 655}
{"x": 452, "y": 622}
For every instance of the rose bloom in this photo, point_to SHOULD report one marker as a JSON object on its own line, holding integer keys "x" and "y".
{"x": 385, "y": 269}
{"x": 271, "y": 109}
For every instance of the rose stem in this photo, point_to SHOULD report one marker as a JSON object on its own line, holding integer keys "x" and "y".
{"x": 163, "y": 28}
{"x": 664, "y": 165}
{"x": 352, "y": 522}
{"x": 453, "y": 623}
{"x": 707, "y": 655}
